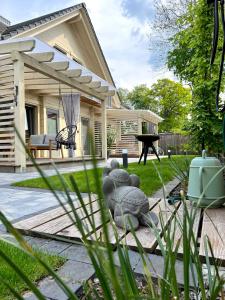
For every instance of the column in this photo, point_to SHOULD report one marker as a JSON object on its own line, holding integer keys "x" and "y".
{"x": 20, "y": 153}
{"x": 104, "y": 131}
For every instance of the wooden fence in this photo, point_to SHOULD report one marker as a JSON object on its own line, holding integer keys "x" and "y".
{"x": 175, "y": 142}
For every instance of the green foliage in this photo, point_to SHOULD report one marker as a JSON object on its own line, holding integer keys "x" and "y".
{"x": 120, "y": 283}
{"x": 123, "y": 97}
{"x": 149, "y": 183}
{"x": 30, "y": 267}
{"x": 190, "y": 61}
{"x": 167, "y": 98}
{"x": 111, "y": 137}
{"x": 173, "y": 104}
{"x": 141, "y": 98}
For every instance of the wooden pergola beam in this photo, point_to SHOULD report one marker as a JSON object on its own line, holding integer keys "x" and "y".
{"x": 59, "y": 65}
{"x": 20, "y": 46}
{"x": 84, "y": 79}
{"x": 47, "y": 70}
{"x": 110, "y": 93}
{"x": 43, "y": 57}
{"x": 94, "y": 84}
{"x": 102, "y": 89}
{"x": 73, "y": 73}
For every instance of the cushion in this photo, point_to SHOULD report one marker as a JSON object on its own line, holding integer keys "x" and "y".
{"x": 37, "y": 139}
{"x": 49, "y": 137}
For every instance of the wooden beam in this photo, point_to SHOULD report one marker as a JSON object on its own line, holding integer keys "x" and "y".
{"x": 84, "y": 79}
{"x": 41, "y": 81}
{"x": 94, "y": 84}
{"x": 47, "y": 86}
{"x": 34, "y": 75}
{"x": 20, "y": 46}
{"x": 46, "y": 69}
{"x": 72, "y": 73}
{"x": 59, "y": 65}
{"x": 102, "y": 89}
{"x": 43, "y": 57}
{"x": 109, "y": 93}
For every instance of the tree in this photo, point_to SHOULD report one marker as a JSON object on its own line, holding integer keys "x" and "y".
{"x": 141, "y": 98}
{"x": 190, "y": 61}
{"x": 123, "y": 97}
{"x": 165, "y": 25}
{"x": 173, "y": 104}
{"x": 167, "y": 98}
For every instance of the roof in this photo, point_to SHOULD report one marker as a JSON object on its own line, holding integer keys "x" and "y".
{"x": 147, "y": 115}
{"x": 13, "y": 30}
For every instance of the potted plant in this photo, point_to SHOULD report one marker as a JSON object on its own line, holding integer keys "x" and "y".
{"x": 111, "y": 138}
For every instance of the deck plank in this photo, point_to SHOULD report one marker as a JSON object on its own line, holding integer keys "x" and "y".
{"x": 60, "y": 223}
{"x": 177, "y": 223}
{"x": 47, "y": 216}
{"x": 214, "y": 227}
{"x": 73, "y": 232}
{"x": 146, "y": 235}
{"x": 121, "y": 232}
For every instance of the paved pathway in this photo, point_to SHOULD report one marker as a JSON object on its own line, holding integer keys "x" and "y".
{"x": 18, "y": 202}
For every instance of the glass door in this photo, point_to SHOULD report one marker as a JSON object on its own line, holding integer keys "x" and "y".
{"x": 29, "y": 121}
{"x": 85, "y": 125}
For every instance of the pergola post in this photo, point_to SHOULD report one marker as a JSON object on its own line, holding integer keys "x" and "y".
{"x": 104, "y": 131}
{"x": 20, "y": 153}
{"x": 92, "y": 123}
{"x": 139, "y": 133}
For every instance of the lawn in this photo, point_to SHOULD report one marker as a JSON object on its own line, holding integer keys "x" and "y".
{"x": 150, "y": 181}
{"x": 28, "y": 265}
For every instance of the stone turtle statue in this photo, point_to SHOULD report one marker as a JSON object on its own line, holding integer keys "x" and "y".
{"x": 128, "y": 204}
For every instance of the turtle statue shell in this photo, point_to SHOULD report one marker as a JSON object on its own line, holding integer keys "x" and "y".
{"x": 128, "y": 204}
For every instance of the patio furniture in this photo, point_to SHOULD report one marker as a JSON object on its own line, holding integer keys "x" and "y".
{"x": 147, "y": 140}
{"x": 43, "y": 142}
{"x": 66, "y": 137}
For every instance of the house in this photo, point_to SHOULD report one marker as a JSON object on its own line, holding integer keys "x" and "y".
{"x": 40, "y": 60}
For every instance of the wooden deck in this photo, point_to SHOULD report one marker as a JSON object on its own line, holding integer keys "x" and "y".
{"x": 55, "y": 223}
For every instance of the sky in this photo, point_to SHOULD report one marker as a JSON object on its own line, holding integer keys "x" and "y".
{"x": 123, "y": 28}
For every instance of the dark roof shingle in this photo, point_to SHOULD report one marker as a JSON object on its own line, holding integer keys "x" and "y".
{"x": 20, "y": 27}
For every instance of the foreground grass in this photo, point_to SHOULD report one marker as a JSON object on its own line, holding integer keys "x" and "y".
{"x": 150, "y": 181}
{"x": 30, "y": 267}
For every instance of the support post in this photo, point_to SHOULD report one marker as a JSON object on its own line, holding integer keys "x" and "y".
{"x": 104, "y": 131}
{"x": 92, "y": 125}
{"x": 139, "y": 133}
{"x": 20, "y": 153}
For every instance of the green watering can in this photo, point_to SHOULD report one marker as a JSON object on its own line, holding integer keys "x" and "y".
{"x": 206, "y": 183}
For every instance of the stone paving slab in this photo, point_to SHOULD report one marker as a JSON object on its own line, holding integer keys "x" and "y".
{"x": 155, "y": 265}
{"x": 73, "y": 274}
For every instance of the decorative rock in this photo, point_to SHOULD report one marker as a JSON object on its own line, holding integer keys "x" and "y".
{"x": 128, "y": 204}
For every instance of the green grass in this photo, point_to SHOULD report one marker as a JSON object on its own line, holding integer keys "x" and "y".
{"x": 150, "y": 181}
{"x": 29, "y": 265}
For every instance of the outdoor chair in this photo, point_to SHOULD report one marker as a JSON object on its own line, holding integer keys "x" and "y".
{"x": 43, "y": 142}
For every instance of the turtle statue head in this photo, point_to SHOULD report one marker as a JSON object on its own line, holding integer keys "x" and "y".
{"x": 127, "y": 202}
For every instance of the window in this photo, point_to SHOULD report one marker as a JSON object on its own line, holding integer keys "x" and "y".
{"x": 52, "y": 121}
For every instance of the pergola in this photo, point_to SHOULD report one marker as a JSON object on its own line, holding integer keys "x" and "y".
{"x": 31, "y": 65}
{"x": 131, "y": 121}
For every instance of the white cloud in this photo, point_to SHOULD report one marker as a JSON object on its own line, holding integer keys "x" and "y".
{"x": 125, "y": 43}
{"x": 124, "y": 36}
